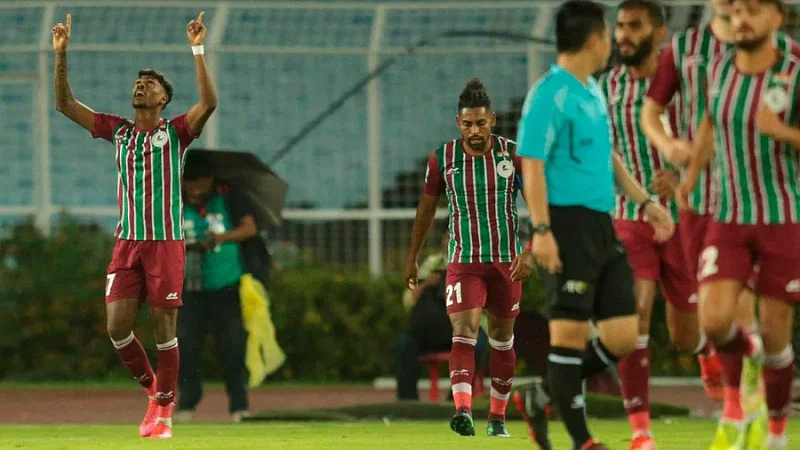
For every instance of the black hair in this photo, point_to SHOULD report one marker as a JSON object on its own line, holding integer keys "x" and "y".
{"x": 162, "y": 79}
{"x": 197, "y": 166}
{"x": 654, "y": 10}
{"x": 474, "y": 96}
{"x": 576, "y": 20}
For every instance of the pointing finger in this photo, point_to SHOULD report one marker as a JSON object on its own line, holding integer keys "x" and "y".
{"x": 200, "y": 16}
{"x": 69, "y": 23}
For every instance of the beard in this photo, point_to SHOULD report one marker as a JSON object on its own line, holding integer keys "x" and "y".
{"x": 752, "y": 44}
{"x": 640, "y": 54}
{"x": 476, "y": 143}
{"x": 139, "y": 103}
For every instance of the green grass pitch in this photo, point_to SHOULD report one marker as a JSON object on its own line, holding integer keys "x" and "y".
{"x": 675, "y": 434}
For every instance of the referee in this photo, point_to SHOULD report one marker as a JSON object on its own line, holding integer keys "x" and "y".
{"x": 568, "y": 171}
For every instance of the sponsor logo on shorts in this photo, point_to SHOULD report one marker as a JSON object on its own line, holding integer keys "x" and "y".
{"x": 172, "y": 296}
{"x": 793, "y": 286}
{"x": 575, "y": 287}
{"x": 515, "y": 307}
{"x": 693, "y": 298}
{"x": 579, "y": 402}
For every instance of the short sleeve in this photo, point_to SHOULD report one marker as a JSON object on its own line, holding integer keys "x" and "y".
{"x": 517, "y": 172}
{"x": 185, "y": 134}
{"x": 541, "y": 113}
{"x": 104, "y": 126}
{"x": 434, "y": 183}
{"x": 604, "y": 89}
{"x": 666, "y": 80}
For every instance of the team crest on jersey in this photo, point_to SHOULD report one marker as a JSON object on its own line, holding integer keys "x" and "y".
{"x": 159, "y": 139}
{"x": 505, "y": 168}
{"x": 776, "y": 99}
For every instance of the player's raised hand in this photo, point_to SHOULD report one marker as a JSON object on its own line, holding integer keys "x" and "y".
{"x": 522, "y": 266}
{"x": 410, "y": 275}
{"x": 661, "y": 221}
{"x": 61, "y": 34}
{"x": 196, "y": 31}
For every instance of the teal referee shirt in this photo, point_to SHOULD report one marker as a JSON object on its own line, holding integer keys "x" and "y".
{"x": 566, "y": 124}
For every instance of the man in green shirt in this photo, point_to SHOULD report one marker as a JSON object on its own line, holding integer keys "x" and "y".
{"x": 217, "y": 221}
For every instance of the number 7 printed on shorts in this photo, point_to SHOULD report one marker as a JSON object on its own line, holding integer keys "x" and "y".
{"x": 109, "y": 282}
{"x": 453, "y": 288}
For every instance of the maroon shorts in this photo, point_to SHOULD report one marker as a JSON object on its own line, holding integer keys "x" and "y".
{"x": 692, "y": 229}
{"x": 663, "y": 262}
{"x": 147, "y": 270}
{"x": 483, "y": 285}
{"x": 734, "y": 252}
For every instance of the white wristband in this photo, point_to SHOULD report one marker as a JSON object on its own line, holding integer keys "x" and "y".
{"x": 198, "y": 50}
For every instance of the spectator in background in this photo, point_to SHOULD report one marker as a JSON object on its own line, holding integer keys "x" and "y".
{"x": 217, "y": 221}
{"x": 429, "y": 330}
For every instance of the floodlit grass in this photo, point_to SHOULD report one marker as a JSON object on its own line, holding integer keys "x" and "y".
{"x": 673, "y": 434}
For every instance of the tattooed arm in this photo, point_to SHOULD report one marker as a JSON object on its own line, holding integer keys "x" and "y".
{"x": 65, "y": 101}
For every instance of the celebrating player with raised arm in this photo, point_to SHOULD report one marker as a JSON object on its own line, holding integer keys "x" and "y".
{"x": 752, "y": 122}
{"x": 480, "y": 174}
{"x": 148, "y": 259}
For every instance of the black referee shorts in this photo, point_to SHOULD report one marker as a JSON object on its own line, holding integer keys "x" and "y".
{"x": 596, "y": 281}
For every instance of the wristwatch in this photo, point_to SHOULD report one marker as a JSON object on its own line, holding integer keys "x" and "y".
{"x": 541, "y": 229}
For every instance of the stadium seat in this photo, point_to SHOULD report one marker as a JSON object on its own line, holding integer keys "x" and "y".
{"x": 433, "y": 361}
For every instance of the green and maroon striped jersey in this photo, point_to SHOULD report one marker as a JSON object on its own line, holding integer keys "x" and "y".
{"x": 756, "y": 173}
{"x": 482, "y": 193}
{"x": 625, "y": 96}
{"x": 150, "y": 165}
{"x": 683, "y": 70}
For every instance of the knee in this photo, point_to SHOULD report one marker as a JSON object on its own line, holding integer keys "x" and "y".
{"x": 684, "y": 333}
{"x": 466, "y": 329}
{"x": 501, "y": 335}
{"x": 716, "y": 326}
{"x": 569, "y": 334}
{"x": 620, "y": 338}
{"x": 165, "y": 325}
{"x": 684, "y": 342}
{"x": 621, "y": 345}
{"x": 118, "y": 331}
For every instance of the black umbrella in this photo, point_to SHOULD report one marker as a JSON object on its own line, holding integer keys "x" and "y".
{"x": 244, "y": 172}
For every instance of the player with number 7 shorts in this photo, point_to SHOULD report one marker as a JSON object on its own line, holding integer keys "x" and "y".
{"x": 752, "y": 122}
{"x": 480, "y": 174}
{"x": 149, "y": 255}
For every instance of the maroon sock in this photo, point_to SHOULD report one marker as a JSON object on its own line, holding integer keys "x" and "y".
{"x": 778, "y": 377}
{"x": 134, "y": 357}
{"x": 502, "y": 362}
{"x": 731, "y": 354}
{"x": 168, "y": 361}
{"x": 462, "y": 370}
{"x": 634, "y": 374}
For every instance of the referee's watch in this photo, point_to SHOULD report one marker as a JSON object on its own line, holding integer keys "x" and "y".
{"x": 542, "y": 228}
